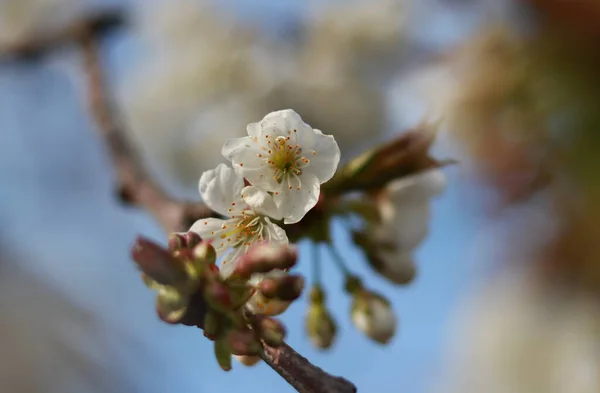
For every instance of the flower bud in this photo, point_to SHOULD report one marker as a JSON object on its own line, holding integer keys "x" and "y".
{"x": 204, "y": 252}
{"x": 171, "y": 306}
{"x": 176, "y": 242}
{"x": 217, "y": 295}
{"x": 260, "y": 304}
{"x": 320, "y": 326}
{"x": 262, "y": 258}
{"x": 157, "y": 263}
{"x": 286, "y": 287}
{"x": 271, "y": 330}
{"x": 397, "y": 267}
{"x": 247, "y": 360}
{"x": 373, "y": 316}
{"x": 192, "y": 239}
{"x": 242, "y": 342}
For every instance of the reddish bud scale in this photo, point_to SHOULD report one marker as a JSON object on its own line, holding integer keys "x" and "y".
{"x": 176, "y": 242}
{"x": 271, "y": 330}
{"x": 192, "y": 239}
{"x": 157, "y": 262}
{"x": 242, "y": 342}
{"x": 218, "y": 294}
{"x": 286, "y": 288}
{"x": 262, "y": 258}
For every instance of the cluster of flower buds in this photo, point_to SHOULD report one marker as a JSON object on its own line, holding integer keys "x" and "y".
{"x": 191, "y": 290}
{"x": 274, "y": 181}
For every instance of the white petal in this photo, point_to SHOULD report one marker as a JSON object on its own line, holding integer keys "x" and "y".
{"x": 283, "y": 123}
{"x": 275, "y": 234}
{"x": 253, "y": 130}
{"x": 411, "y": 225}
{"x": 208, "y": 228}
{"x": 260, "y": 201}
{"x": 398, "y": 267}
{"x": 433, "y": 182}
{"x": 220, "y": 188}
{"x": 418, "y": 187}
{"x": 234, "y": 145}
{"x": 324, "y": 157}
{"x": 230, "y": 260}
{"x": 294, "y": 204}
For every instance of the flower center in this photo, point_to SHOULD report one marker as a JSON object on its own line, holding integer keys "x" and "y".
{"x": 285, "y": 158}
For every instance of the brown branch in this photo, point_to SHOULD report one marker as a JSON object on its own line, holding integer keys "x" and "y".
{"x": 31, "y": 48}
{"x": 302, "y": 374}
{"x": 135, "y": 185}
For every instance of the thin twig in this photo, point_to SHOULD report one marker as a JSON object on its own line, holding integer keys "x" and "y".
{"x": 136, "y": 186}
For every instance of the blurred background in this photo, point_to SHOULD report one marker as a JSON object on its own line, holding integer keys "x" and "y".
{"x": 506, "y": 297}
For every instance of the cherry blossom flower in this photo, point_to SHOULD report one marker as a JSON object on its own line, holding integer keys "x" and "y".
{"x": 286, "y": 157}
{"x": 248, "y": 210}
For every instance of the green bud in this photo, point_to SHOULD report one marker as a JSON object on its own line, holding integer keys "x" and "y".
{"x": 204, "y": 253}
{"x": 171, "y": 306}
{"x": 212, "y": 324}
{"x": 372, "y": 315}
{"x": 320, "y": 326}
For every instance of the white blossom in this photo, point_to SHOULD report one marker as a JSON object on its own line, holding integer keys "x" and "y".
{"x": 373, "y": 316}
{"x": 397, "y": 266}
{"x": 285, "y": 156}
{"x": 258, "y": 304}
{"x": 405, "y": 208}
{"x": 248, "y": 210}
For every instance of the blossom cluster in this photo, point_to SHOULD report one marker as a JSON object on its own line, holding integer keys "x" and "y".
{"x": 275, "y": 175}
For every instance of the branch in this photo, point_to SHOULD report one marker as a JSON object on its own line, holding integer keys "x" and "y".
{"x": 301, "y": 374}
{"x": 135, "y": 185}
{"x": 34, "y": 47}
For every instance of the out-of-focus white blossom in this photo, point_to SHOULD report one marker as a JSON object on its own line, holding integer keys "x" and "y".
{"x": 518, "y": 336}
{"x": 373, "y": 316}
{"x": 287, "y": 157}
{"x": 204, "y": 76}
{"x": 248, "y": 210}
{"x": 404, "y": 209}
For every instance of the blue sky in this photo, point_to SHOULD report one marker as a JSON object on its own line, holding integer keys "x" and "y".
{"x": 56, "y": 183}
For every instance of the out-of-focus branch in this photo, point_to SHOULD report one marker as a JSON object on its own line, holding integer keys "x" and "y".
{"x": 34, "y": 47}
{"x": 301, "y": 374}
{"x": 135, "y": 185}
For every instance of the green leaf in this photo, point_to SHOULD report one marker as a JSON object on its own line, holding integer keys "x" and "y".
{"x": 223, "y": 354}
